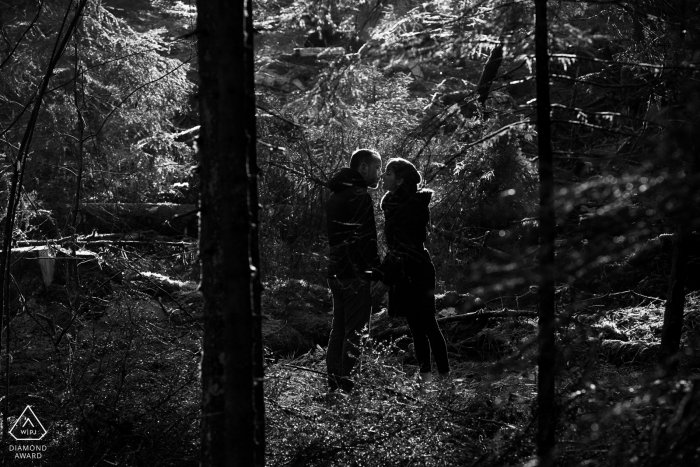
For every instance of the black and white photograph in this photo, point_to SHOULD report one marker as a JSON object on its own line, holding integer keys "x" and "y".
{"x": 362, "y": 233}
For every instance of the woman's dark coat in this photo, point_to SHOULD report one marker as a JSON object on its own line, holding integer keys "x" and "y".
{"x": 407, "y": 267}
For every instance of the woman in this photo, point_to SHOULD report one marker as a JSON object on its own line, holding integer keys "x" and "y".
{"x": 408, "y": 271}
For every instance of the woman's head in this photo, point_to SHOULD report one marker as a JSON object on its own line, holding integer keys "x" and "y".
{"x": 398, "y": 172}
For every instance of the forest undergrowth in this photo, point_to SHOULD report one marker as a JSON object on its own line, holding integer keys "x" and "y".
{"x": 115, "y": 377}
{"x": 614, "y": 409}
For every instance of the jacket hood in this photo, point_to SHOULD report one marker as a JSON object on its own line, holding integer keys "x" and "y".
{"x": 346, "y": 178}
{"x": 424, "y": 196}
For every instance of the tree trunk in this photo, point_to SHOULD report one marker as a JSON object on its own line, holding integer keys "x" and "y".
{"x": 227, "y": 246}
{"x": 675, "y": 302}
{"x": 253, "y": 170}
{"x": 546, "y": 413}
{"x": 489, "y": 74}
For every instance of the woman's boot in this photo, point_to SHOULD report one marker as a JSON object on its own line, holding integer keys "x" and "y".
{"x": 426, "y": 380}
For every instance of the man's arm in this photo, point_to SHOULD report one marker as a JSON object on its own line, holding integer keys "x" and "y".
{"x": 363, "y": 248}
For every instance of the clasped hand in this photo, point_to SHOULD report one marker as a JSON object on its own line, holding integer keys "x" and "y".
{"x": 378, "y": 288}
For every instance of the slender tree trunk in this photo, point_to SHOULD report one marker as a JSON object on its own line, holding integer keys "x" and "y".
{"x": 65, "y": 33}
{"x": 546, "y": 413}
{"x": 253, "y": 170}
{"x": 227, "y": 244}
{"x": 78, "y": 100}
{"x": 489, "y": 74}
{"x": 72, "y": 273}
{"x": 683, "y": 128}
{"x": 675, "y": 303}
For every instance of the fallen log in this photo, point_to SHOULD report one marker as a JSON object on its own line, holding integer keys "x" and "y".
{"x": 163, "y": 218}
{"x": 403, "y": 330}
{"x": 629, "y": 352}
{"x": 134, "y": 243}
{"x": 465, "y": 303}
{"x": 48, "y": 258}
{"x": 44, "y": 242}
{"x": 488, "y": 314}
{"x": 131, "y": 238}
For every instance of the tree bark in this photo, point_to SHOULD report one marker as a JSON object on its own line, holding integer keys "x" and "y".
{"x": 489, "y": 74}
{"x": 256, "y": 280}
{"x": 227, "y": 246}
{"x": 675, "y": 303}
{"x": 546, "y": 413}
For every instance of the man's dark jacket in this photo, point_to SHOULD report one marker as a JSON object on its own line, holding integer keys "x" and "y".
{"x": 352, "y": 232}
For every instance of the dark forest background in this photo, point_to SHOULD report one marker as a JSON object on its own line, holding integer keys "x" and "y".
{"x": 100, "y": 183}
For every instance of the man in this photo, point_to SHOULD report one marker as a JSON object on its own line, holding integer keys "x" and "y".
{"x": 354, "y": 262}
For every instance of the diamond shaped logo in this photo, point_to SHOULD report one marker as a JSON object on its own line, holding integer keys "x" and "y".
{"x": 28, "y": 427}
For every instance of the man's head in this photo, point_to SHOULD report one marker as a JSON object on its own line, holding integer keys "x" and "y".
{"x": 369, "y": 163}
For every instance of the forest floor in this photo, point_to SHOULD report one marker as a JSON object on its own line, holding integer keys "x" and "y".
{"x": 114, "y": 377}
{"x": 612, "y": 403}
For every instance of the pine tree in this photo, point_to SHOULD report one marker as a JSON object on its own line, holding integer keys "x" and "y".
{"x": 231, "y": 361}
